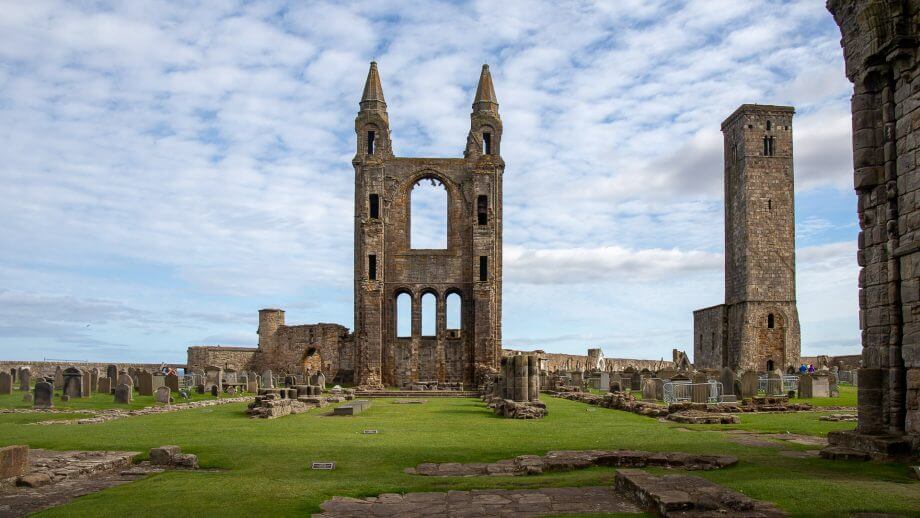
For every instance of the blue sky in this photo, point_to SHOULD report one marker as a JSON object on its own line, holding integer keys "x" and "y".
{"x": 170, "y": 168}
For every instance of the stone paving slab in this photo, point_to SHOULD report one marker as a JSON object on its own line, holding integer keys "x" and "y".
{"x": 56, "y": 477}
{"x": 482, "y": 503}
{"x": 101, "y": 416}
{"x": 567, "y": 460}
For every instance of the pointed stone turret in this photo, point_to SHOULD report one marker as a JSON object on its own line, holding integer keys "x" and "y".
{"x": 372, "y": 99}
{"x": 485, "y": 100}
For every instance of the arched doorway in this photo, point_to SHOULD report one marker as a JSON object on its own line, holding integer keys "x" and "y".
{"x": 311, "y": 361}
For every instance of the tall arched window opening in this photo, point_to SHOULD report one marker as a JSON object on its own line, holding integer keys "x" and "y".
{"x": 454, "y": 315}
{"x": 429, "y": 315}
{"x": 429, "y": 215}
{"x": 403, "y": 315}
{"x": 771, "y": 321}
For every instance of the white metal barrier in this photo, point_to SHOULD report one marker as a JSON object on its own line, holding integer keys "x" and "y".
{"x": 682, "y": 391}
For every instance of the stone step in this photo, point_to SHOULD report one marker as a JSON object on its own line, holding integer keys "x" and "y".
{"x": 842, "y": 453}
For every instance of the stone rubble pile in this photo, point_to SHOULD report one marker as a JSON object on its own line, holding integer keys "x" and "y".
{"x": 702, "y": 417}
{"x": 569, "y": 460}
{"x": 839, "y": 417}
{"x": 270, "y": 406}
{"x": 173, "y": 457}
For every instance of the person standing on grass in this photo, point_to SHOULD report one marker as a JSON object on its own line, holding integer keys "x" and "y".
{"x": 811, "y": 369}
{"x": 803, "y": 369}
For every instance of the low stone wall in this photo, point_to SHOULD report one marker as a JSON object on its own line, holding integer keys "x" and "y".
{"x": 236, "y": 358}
{"x": 555, "y": 361}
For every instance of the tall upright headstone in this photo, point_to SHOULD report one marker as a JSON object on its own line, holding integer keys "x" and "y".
{"x": 94, "y": 379}
{"x": 124, "y": 379}
{"x": 162, "y": 395}
{"x": 749, "y": 383}
{"x": 73, "y": 382}
{"x": 144, "y": 383}
{"x": 25, "y": 379}
{"x": 87, "y": 383}
{"x": 42, "y": 395}
{"x": 58, "y": 378}
{"x": 172, "y": 381}
{"x": 6, "y": 383}
{"x": 123, "y": 393}
{"x": 267, "y": 380}
{"x": 728, "y": 381}
{"x": 111, "y": 371}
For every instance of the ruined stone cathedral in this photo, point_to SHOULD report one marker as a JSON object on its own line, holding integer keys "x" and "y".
{"x": 388, "y": 268}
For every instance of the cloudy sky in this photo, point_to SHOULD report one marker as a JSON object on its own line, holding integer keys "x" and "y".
{"x": 169, "y": 168}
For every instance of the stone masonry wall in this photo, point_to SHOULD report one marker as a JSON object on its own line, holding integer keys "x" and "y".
{"x": 46, "y": 368}
{"x": 237, "y": 358}
{"x": 879, "y": 40}
{"x": 556, "y": 361}
{"x": 708, "y": 335}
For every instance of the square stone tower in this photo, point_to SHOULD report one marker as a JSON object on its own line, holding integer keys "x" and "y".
{"x": 762, "y": 318}
{"x": 758, "y": 326}
{"x": 387, "y": 268}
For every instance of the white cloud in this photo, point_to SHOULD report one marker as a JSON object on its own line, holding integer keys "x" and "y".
{"x": 211, "y": 144}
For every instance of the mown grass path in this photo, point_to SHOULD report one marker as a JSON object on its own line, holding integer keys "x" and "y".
{"x": 265, "y": 464}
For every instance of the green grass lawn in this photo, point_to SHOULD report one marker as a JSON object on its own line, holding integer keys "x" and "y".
{"x": 264, "y": 465}
{"x": 847, "y": 398}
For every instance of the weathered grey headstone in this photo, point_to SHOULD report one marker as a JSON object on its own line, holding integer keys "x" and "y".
{"x": 318, "y": 379}
{"x": 124, "y": 379}
{"x": 105, "y": 385}
{"x": 659, "y": 388}
{"x": 144, "y": 383}
{"x": 73, "y": 382}
{"x": 648, "y": 389}
{"x": 805, "y": 386}
{"x": 6, "y": 383}
{"x": 820, "y": 387}
{"x": 749, "y": 383}
{"x": 162, "y": 395}
{"x": 42, "y": 395}
{"x": 172, "y": 381}
{"x": 252, "y": 386}
{"x": 94, "y": 380}
{"x": 213, "y": 376}
{"x": 25, "y": 379}
{"x": 215, "y": 391}
{"x": 699, "y": 392}
{"x": 111, "y": 372}
{"x": 123, "y": 393}
{"x": 58, "y": 378}
{"x": 267, "y": 380}
{"x": 158, "y": 380}
{"x": 728, "y": 381}
{"x": 603, "y": 383}
{"x": 87, "y": 384}
{"x": 774, "y": 384}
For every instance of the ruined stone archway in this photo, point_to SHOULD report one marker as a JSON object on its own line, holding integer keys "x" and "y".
{"x": 311, "y": 361}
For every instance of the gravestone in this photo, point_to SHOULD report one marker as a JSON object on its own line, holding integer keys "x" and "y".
{"x": 58, "y": 378}
{"x": 6, "y": 383}
{"x": 73, "y": 382}
{"x": 25, "y": 379}
{"x": 648, "y": 389}
{"x": 42, "y": 395}
{"x": 123, "y": 393}
{"x": 214, "y": 376}
{"x": 215, "y": 391}
{"x": 105, "y": 385}
{"x": 94, "y": 379}
{"x": 699, "y": 392}
{"x": 172, "y": 381}
{"x": 318, "y": 379}
{"x": 820, "y": 387}
{"x": 728, "y": 381}
{"x": 604, "y": 382}
{"x": 124, "y": 379}
{"x": 162, "y": 395}
{"x": 833, "y": 389}
{"x": 774, "y": 384}
{"x": 158, "y": 380}
{"x": 87, "y": 384}
{"x": 111, "y": 372}
{"x": 749, "y": 383}
{"x": 658, "y": 385}
{"x": 145, "y": 383}
{"x": 252, "y": 386}
{"x": 805, "y": 386}
{"x": 267, "y": 380}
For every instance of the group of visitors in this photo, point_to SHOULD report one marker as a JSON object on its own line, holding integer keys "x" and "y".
{"x": 809, "y": 368}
